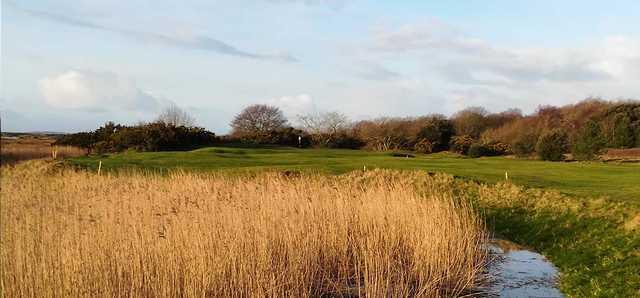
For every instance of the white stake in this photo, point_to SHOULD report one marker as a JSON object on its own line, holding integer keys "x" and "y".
{"x": 506, "y": 176}
{"x": 99, "y": 167}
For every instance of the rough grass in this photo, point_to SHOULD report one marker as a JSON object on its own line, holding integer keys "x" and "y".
{"x": 73, "y": 233}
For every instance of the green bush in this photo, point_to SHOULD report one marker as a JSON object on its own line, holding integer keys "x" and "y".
{"x": 525, "y": 145}
{"x": 345, "y": 141}
{"x": 552, "y": 145}
{"x": 437, "y": 132}
{"x": 145, "y": 137}
{"x": 589, "y": 141}
{"x": 623, "y": 136}
{"x": 81, "y": 139}
{"x": 479, "y": 150}
{"x": 621, "y": 125}
{"x": 288, "y": 136}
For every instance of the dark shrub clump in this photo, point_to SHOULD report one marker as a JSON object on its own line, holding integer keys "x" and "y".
{"x": 144, "y": 137}
{"x": 479, "y": 150}
{"x": 552, "y": 145}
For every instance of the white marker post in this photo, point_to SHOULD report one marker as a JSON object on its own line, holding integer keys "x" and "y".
{"x": 99, "y": 167}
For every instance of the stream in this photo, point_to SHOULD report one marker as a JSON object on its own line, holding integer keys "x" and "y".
{"x": 518, "y": 272}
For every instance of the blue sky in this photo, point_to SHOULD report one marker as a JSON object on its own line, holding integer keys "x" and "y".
{"x": 71, "y": 65}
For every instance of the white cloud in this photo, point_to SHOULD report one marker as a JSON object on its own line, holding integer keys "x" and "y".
{"x": 293, "y": 106}
{"x": 96, "y": 91}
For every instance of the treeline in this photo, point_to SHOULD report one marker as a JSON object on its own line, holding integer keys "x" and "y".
{"x": 173, "y": 130}
{"x": 583, "y": 129}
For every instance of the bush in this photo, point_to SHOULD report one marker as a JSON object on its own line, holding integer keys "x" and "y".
{"x": 144, "y": 137}
{"x": 345, "y": 141}
{"x": 525, "y": 145}
{"x": 102, "y": 147}
{"x": 479, "y": 150}
{"x": 289, "y": 136}
{"x": 81, "y": 139}
{"x": 552, "y": 145}
{"x": 589, "y": 142}
{"x": 423, "y": 146}
{"x": 499, "y": 148}
{"x": 437, "y": 131}
{"x": 461, "y": 144}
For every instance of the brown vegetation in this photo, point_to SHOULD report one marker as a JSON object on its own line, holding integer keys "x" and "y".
{"x": 621, "y": 154}
{"x": 70, "y": 234}
{"x": 14, "y": 150}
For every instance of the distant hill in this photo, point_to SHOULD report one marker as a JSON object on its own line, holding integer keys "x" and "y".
{"x": 52, "y": 134}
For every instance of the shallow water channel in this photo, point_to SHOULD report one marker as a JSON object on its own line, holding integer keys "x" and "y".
{"x": 518, "y": 272}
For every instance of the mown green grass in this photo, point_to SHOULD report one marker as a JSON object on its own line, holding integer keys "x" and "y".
{"x": 582, "y": 233}
{"x": 618, "y": 181}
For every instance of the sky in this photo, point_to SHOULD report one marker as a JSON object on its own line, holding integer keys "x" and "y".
{"x": 72, "y": 65}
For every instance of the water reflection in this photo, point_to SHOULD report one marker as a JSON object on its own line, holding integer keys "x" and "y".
{"x": 518, "y": 272}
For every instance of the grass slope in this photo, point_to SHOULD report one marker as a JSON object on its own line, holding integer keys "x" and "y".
{"x": 617, "y": 181}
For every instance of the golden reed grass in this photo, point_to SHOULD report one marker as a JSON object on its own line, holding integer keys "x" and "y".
{"x": 72, "y": 233}
{"x": 11, "y": 152}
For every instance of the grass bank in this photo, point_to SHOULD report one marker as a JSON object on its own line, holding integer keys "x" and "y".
{"x": 594, "y": 242}
{"x": 585, "y": 217}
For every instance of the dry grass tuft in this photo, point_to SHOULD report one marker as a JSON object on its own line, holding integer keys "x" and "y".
{"x": 68, "y": 234}
{"x": 12, "y": 151}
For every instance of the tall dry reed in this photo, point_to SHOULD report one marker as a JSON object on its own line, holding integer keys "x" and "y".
{"x": 11, "y": 152}
{"x": 67, "y": 233}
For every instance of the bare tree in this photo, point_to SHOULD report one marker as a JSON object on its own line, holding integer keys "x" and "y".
{"x": 256, "y": 122}
{"x": 323, "y": 123}
{"x": 174, "y": 115}
{"x": 470, "y": 121}
{"x": 385, "y": 134}
{"x": 324, "y": 127}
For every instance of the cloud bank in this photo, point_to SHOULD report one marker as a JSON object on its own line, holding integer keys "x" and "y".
{"x": 470, "y": 71}
{"x": 96, "y": 92}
